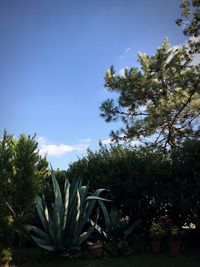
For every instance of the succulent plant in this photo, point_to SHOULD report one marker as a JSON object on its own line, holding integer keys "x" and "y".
{"x": 116, "y": 228}
{"x": 66, "y": 222}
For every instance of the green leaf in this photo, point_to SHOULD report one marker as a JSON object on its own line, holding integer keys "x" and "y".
{"x": 66, "y": 204}
{"x": 40, "y": 233}
{"x": 43, "y": 244}
{"x": 106, "y": 215}
{"x": 57, "y": 193}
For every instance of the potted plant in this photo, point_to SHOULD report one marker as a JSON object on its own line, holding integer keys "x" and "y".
{"x": 156, "y": 233}
{"x": 174, "y": 244}
{"x": 6, "y": 257}
{"x": 167, "y": 222}
{"x": 95, "y": 248}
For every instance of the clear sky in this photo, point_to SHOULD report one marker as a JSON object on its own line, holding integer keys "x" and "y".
{"x": 53, "y": 57}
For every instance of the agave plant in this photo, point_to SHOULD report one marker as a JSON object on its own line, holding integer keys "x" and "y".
{"x": 116, "y": 228}
{"x": 65, "y": 223}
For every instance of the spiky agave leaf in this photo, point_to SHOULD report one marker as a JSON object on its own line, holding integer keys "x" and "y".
{"x": 65, "y": 205}
{"x": 57, "y": 193}
{"x": 114, "y": 228}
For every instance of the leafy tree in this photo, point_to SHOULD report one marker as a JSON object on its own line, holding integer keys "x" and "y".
{"x": 160, "y": 100}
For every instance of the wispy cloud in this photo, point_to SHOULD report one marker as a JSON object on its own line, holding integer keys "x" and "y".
{"x": 122, "y": 142}
{"x": 60, "y": 149}
{"x": 107, "y": 141}
{"x": 87, "y": 140}
{"x": 196, "y": 57}
{"x": 121, "y": 72}
{"x": 124, "y": 54}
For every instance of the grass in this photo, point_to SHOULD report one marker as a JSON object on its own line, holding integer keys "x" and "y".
{"x": 33, "y": 258}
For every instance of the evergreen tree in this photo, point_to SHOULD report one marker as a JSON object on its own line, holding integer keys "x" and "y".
{"x": 190, "y": 22}
{"x": 6, "y": 172}
{"x": 30, "y": 170}
{"x": 161, "y": 99}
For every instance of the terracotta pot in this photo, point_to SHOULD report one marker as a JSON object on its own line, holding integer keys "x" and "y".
{"x": 175, "y": 247}
{"x": 155, "y": 247}
{"x": 96, "y": 250}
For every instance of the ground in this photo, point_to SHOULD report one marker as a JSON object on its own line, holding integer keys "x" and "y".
{"x": 38, "y": 259}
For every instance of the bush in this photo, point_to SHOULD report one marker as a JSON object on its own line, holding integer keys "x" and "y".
{"x": 185, "y": 183}
{"x": 134, "y": 177}
{"x": 147, "y": 184}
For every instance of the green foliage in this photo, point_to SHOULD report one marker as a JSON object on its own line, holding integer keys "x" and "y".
{"x": 65, "y": 221}
{"x": 116, "y": 231}
{"x": 6, "y": 255}
{"x": 21, "y": 177}
{"x": 158, "y": 100}
{"x": 185, "y": 183}
{"x": 147, "y": 184}
{"x": 190, "y": 22}
{"x": 6, "y": 163}
{"x": 28, "y": 179}
{"x": 6, "y": 172}
{"x": 156, "y": 231}
{"x": 135, "y": 178}
{"x": 116, "y": 228}
{"x": 174, "y": 231}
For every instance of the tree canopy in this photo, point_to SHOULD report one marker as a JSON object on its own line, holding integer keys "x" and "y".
{"x": 161, "y": 98}
{"x": 190, "y": 22}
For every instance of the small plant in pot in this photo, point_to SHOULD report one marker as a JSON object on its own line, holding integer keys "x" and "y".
{"x": 156, "y": 233}
{"x": 174, "y": 244}
{"x": 115, "y": 230}
{"x": 95, "y": 244}
{"x": 95, "y": 248}
{"x": 6, "y": 257}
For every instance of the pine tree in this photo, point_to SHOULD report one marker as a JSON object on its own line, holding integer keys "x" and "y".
{"x": 160, "y": 100}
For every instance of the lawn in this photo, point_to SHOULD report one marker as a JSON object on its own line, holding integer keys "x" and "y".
{"x": 35, "y": 259}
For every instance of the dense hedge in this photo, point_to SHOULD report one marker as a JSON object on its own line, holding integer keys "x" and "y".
{"x": 146, "y": 183}
{"x": 185, "y": 182}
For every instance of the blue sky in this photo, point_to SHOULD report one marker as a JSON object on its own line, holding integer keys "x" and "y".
{"x": 53, "y": 57}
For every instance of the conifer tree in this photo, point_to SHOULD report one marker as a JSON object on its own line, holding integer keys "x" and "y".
{"x": 190, "y": 22}
{"x": 159, "y": 102}
{"x": 6, "y": 172}
{"x": 30, "y": 171}
{"x": 22, "y": 175}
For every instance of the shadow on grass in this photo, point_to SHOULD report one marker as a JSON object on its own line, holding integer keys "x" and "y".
{"x": 36, "y": 258}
